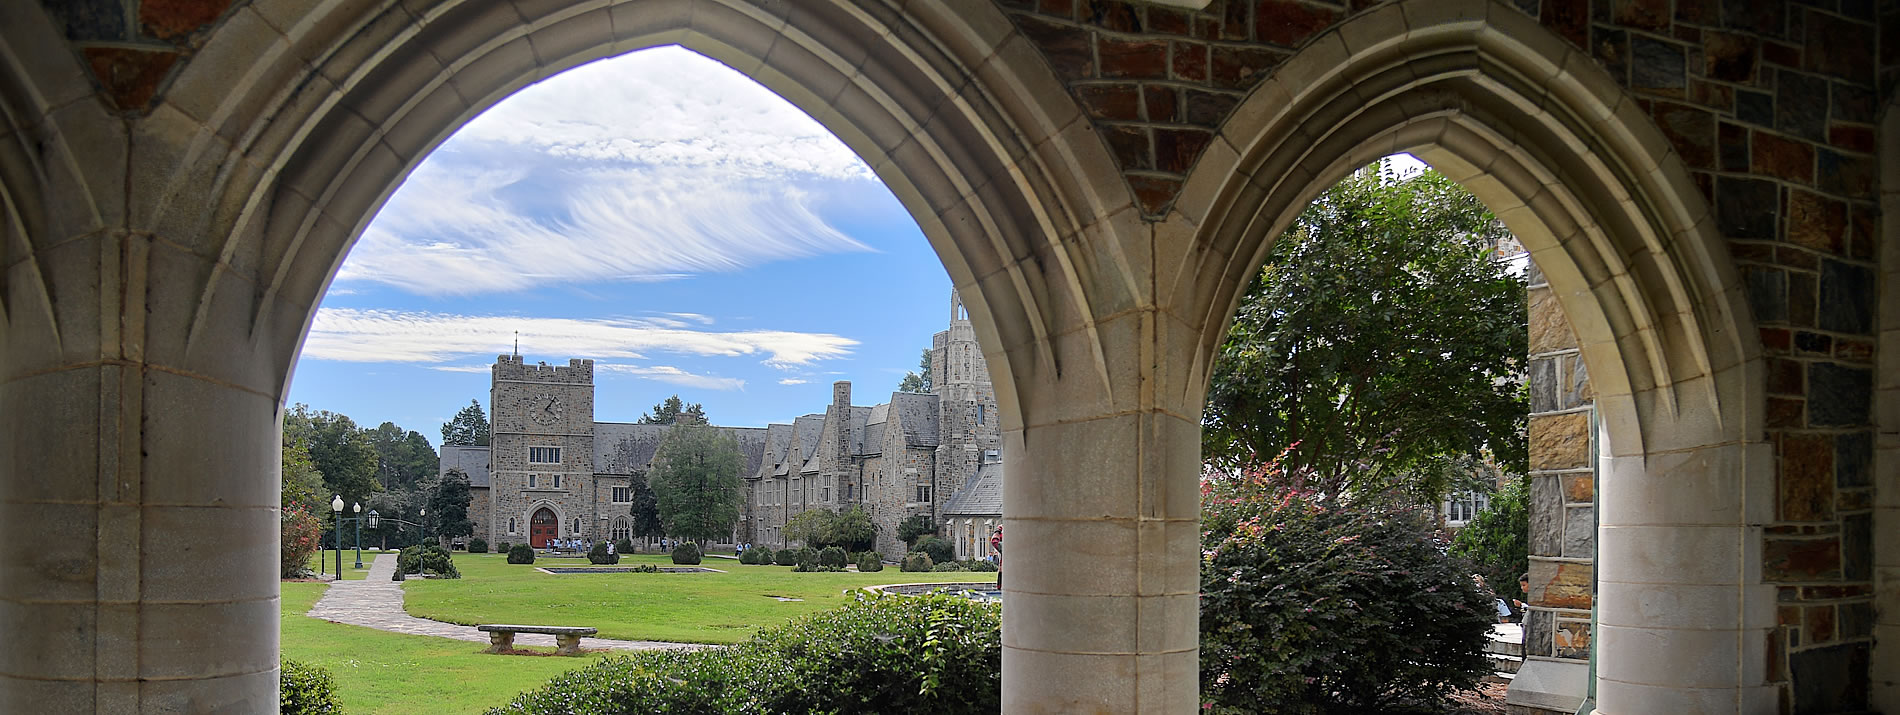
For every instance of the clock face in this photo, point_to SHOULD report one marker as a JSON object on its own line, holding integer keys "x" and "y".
{"x": 545, "y": 409}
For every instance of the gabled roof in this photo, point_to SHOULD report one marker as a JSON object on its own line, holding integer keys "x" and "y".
{"x": 473, "y": 461}
{"x": 778, "y": 439}
{"x": 981, "y": 496}
{"x": 627, "y": 448}
{"x": 917, "y": 415}
{"x": 805, "y": 432}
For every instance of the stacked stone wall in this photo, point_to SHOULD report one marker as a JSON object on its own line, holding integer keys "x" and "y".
{"x": 521, "y": 419}
{"x": 1563, "y": 485}
{"x": 1771, "y": 107}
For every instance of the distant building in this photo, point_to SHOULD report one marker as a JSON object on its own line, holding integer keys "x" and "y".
{"x": 554, "y": 472}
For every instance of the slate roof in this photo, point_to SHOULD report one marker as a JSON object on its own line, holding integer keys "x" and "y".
{"x": 917, "y": 413}
{"x": 805, "y": 430}
{"x": 778, "y": 439}
{"x": 981, "y": 496}
{"x": 627, "y": 448}
{"x": 473, "y": 461}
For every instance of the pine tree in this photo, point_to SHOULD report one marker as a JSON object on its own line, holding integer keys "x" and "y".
{"x": 468, "y": 428}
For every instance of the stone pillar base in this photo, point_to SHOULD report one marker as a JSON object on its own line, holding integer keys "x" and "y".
{"x": 500, "y": 642}
{"x": 1544, "y": 686}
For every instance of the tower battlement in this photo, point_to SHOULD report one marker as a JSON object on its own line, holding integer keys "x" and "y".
{"x": 516, "y": 368}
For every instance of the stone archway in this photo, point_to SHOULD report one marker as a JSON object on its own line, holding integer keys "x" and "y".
{"x": 543, "y": 527}
{"x": 1583, "y": 178}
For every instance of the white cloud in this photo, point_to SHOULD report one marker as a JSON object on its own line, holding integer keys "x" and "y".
{"x": 674, "y": 375}
{"x": 352, "y": 335}
{"x": 461, "y": 368}
{"x": 650, "y": 166}
{"x": 792, "y": 381}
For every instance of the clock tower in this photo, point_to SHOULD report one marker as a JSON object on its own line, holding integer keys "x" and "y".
{"x": 541, "y": 458}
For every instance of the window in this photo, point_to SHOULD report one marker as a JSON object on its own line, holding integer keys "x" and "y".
{"x": 557, "y": 481}
{"x": 533, "y": 480}
{"x": 824, "y": 494}
{"x": 847, "y": 491}
{"x": 1462, "y": 508}
{"x": 622, "y": 529}
{"x": 992, "y": 455}
{"x": 979, "y": 414}
{"x": 623, "y": 495}
{"x": 577, "y": 526}
{"x": 923, "y": 493}
{"x": 544, "y": 455}
{"x": 511, "y": 526}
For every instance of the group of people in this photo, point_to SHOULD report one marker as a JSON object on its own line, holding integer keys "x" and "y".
{"x": 1512, "y": 612}
{"x": 575, "y": 544}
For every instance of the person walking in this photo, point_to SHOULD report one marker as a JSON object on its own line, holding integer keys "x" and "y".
{"x": 996, "y": 546}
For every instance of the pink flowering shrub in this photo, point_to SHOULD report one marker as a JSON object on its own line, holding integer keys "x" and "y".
{"x": 1315, "y": 607}
{"x": 302, "y": 536}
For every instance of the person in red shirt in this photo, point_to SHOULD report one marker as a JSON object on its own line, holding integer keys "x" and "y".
{"x": 996, "y": 548}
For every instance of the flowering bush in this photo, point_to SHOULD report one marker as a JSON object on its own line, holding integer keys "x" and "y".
{"x": 302, "y": 536}
{"x": 1311, "y": 606}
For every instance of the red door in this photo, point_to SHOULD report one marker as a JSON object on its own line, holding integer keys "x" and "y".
{"x": 542, "y": 527}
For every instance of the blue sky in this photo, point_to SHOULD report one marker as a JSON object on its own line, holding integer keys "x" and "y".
{"x": 681, "y": 225}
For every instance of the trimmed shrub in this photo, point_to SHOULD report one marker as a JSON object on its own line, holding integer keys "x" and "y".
{"x": 870, "y": 562}
{"x": 949, "y": 566}
{"x": 785, "y": 557}
{"x": 748, "y": 558}
{"x": 624, "y": 546}
{"x": 939, "y": 549}
{"x": 806, "y": 559}
{"x": 831, "y": 556}
{"x": 1311, "y": 609}
{"x": 433, "y": 557}
{"x": 501, "y": 547}
{"x": 926, "y": 654}
{"x": 916, "y": 561}
{"x": 687, "y": 554}
{"x": 521, "y": 554}
{"x": 599, "y": 555}
{"x": 307, "y": 690}
{"x": 977, "y": 565}
{"x": 477, "y": 546}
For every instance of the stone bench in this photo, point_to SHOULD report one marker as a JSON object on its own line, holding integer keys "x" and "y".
{"x": 501, "y": 638}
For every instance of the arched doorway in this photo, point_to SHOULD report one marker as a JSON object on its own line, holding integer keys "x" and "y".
{"x": 542, "y": 527}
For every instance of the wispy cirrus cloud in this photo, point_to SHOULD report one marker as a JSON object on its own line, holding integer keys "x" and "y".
{"x": 353, "y": 335}
{"x": 673, "y": 375}
{"x": 792, "y": 381}
{"x": 650, "y": 166}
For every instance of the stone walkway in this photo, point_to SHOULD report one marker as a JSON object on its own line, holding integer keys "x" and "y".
{"x": 376, "y": 602}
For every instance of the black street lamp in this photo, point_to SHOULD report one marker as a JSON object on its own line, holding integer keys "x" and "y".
{"x": 422, "y": 515}
{"x": 336, "y": 505}
{"x": 358, "y": 507}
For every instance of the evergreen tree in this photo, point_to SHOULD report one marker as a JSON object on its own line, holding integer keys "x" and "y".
{"x": 468, "y": 428}
{"x": 669, "y": 410}
{"x": 696, "y": 482}
{"x": 646, "y": 512}
{"x": 917, "y": 381}
{"x": 448, "y": 505}
{"x": 404, "y": 458}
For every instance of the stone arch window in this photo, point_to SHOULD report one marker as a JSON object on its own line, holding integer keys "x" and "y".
{"x": 511, "y": 525}
{"x": 622, "y": 529}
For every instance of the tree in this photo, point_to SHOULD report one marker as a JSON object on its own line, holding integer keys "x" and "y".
{"x": 669, "y": 410}
{"x": 338, "y": 449}
{"x": 811, "y": 526}
{"x": 468, "y": 428}
{"x": 646, "y": 512}
{"x": 1498, "y": 540}
{"x": 914, "y": 526}
{"x": 854, "y": 530}
{"x": 1380, "y": 338}
{"x": 404, "y": 457}
{"x": 302, "y": 483}
{"x": 696, "y": 481}
{"x": 448, "y": 506}
{"x": 917, "y": 381}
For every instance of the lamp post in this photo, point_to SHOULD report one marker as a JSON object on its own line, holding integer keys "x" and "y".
{"x": 422, "y": 515}
{"x": 358, "y": 509}
{"x": 336, "y": 505}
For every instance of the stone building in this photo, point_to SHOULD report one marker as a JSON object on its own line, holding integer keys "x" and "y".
{"x": 1700, "y": 182}
{"x": 550, "y": 470}
{"x": 909, "y": 456}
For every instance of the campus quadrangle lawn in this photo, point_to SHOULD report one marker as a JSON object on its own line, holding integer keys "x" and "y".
{"x": 685, "y": 608}
{"x": 381, "y": 672}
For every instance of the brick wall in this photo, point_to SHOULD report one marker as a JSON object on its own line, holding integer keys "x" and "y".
{"x": 1771, "y": 106}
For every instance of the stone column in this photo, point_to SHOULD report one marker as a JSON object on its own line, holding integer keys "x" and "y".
{"x": 139, "y": 463}
{"x": 1101, "y": 515}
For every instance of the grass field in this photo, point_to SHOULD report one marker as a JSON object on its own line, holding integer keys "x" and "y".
{"x": 687, "y": 608}
{"x": 380, "y": 672}
{"x": 350, "y": 572}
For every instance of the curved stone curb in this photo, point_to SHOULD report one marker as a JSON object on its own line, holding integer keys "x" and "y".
{"x": 376, "y": 602}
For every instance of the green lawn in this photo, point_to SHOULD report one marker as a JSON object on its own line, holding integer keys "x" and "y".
{"x": 350, "y": 572}
{"x": 380, "y": 672}
{"x": 688, "y": 608}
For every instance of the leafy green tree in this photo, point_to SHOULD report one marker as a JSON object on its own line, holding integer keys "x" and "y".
{"x": 853, "y": 530}
{"x": 302, "y": 483}
{"x": 669, "y": 410}
{"x": 917, "y": 381}
{"x": 1381, "y": 337}
{"x": 646, "y": 512}
{"x": 914, "y": 526}
{"x": 1498, "y": 540}
{"x": 448, "y": 506}
{"x": 404, "y": 457}
{"x": 468, "y": 428}
{"x": 811, "y": 526}
{"x": 696, "y": 481}
{"x": 341, "y": 452}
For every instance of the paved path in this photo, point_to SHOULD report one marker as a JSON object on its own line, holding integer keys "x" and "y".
{"x": 376, "y": 602}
